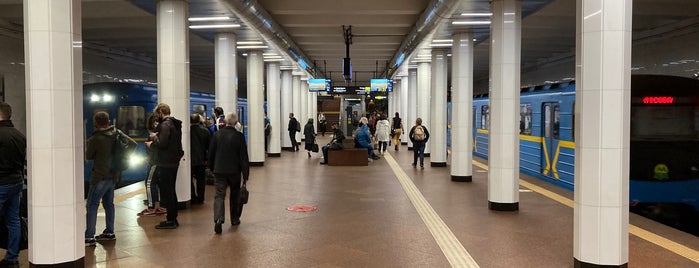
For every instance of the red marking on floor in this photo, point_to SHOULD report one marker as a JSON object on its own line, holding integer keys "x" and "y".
{"x": 301, "y": 208}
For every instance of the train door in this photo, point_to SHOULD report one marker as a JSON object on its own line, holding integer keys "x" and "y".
{"x": 550, "y": 113}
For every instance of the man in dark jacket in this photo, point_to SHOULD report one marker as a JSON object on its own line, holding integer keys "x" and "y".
{"x": 103, "y": 177}
{"x": 294, "y": 126}
{"x": 228, "y": 159}
{"x": 13, "y": 151}
{"x": 167, "y": 141}
{"x": 334, "y": 144}
{"x": 199, "y": 142}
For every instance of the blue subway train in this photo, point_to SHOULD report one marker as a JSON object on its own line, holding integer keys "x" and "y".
{"x": 664, "y": 143}
{"x": 129, "y": 106}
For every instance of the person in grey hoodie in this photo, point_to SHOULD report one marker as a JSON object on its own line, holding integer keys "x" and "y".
{"x": 167, "y": 141}
{"x": 102, "y": 178}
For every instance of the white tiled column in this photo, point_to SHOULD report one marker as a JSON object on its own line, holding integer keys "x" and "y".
{"x": 314, "y": 109}
{"x": 173, "y": 78}
{"x": 438, "y": 109}
{"x": 286, "y": 108}
{"x": 274, "y": 113}
{"x": 53, "y": 56}
{"x": 503, "y": 144}
{"x": 424, "y": 72}
{"x": 405, "y": 85}
{"x": 462, "y": 107}
{"x": 256, "y": 114}
{"x": 603, "y": 95}
{"x": 303, "y": 111}
{"x": 226, "y": 72}
{"x": 411, "y": 115}
{"x": 296, "y": 103}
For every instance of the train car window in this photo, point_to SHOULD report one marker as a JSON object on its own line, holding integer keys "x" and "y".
{"x": 525, "y": 119}
{"x": 485, "y": 117}
{"x": 556, "y": 121}
{"x": 473, "y": 121}
{"x": 131, "y": 120}
{"x": 551, "y": 118}
{"x": 199, "y": 109}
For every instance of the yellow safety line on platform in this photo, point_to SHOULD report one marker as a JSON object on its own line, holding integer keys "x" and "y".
{"x": 451, "y": 247}
{"x": 663, "y": 242}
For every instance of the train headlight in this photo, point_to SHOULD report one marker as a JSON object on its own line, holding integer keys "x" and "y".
{"x": 136, "y": 160}
{"x": 107, "y": 98}
{"x": 94, "y": 98}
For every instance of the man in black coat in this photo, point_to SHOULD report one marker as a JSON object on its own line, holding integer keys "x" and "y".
{"x": 228, "y": 159}
{"x": 294, "y": 126}
{"x": 13, "y": 145}
{"x": 199, "y": 142}
{"x": 167, "y": 141}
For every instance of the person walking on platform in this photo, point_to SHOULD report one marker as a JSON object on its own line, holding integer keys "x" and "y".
{"x": 103, "y": 178}
{"x": 199, "y": 142}
{"x": 419, "y": 136}
{"x": 383, "y": 133}
{"x": 13, "y": 145}
{"x": 363, "y": 138}
{"x": 321, "y": 124}
{"x": 397, "y": 127}
{"x": 310, "y": 136}
{"x": 228, "y": 159}
{"x": 294, "y": 126}
{"x": 167, "y": 142}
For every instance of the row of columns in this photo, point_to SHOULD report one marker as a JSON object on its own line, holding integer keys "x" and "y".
{"x": 54, "y": 47}
{"x": 599, "y": 198}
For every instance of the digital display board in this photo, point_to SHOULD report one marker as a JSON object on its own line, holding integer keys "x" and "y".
{"x": 319, "y": 84}
{"x": 381, "y": 85}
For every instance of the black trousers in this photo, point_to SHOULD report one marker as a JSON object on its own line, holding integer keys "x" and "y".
{"x": 167, "y": 178}
{"x": 223, "y": 181}
{"x": 294, "y": 143}
{"x": 198, "y": 183}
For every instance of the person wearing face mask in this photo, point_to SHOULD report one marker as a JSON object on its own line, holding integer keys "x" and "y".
{"x": 167, "y": 141}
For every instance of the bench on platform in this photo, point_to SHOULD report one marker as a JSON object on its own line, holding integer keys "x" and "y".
{"x": 348, "y": 157}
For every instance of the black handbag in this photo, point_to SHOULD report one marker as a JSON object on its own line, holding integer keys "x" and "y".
{"x": 314, "y": 148}
{"x": 244, "y": 194}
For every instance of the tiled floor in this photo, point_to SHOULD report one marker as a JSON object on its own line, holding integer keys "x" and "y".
{"x": 364, "y": 219}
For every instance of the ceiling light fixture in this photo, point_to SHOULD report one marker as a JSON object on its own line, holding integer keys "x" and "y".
{"x": 441, "y": 41}
{"x": 268, "y": 60}
{"x": 214, "y": 26}
{"x": 251, "y": 47}
{"x": 252, "y": 42}
{"x": 441, "y": 45}
{"x": 470, "y": 22}
{"x": 476, "y": 14}
{"x": 209, "y": 18}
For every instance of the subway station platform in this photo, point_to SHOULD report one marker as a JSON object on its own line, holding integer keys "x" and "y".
{"x": 388, "y": 214}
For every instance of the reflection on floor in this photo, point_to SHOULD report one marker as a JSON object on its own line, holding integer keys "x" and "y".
{"x": 363, "y": 219}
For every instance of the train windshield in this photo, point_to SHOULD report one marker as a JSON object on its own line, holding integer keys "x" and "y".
{"x": 664, "y": 122}
{"x": 132, "y": 120}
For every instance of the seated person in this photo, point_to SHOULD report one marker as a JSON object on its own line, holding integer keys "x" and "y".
{"x": 335, "y": 143}
{"x": 363, "y": 138}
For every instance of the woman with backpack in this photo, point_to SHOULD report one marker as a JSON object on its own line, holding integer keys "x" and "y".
{"x": 419, "y": 136}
